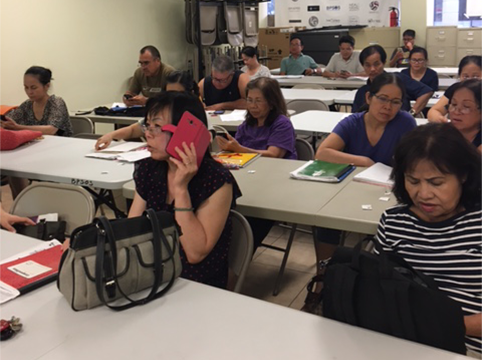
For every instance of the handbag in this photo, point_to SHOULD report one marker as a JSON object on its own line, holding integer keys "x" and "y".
{"x": 43, "y": 230}
{"x": 385, "y": 294}
{"x": 112, "y": 259}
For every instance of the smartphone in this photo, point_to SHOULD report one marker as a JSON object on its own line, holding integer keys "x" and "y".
{"x": 219, "y": 112}
{"x": 223, "y": 135}
{"x": 344, "y": 72}
{"x": 189, "y": 130}
{"x": 128, "y": 96}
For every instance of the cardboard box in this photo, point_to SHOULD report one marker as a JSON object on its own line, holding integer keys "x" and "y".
{"x": 277, "y": 41}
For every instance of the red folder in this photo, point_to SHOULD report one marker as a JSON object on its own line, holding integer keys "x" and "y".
{"x": 49, "y": 257}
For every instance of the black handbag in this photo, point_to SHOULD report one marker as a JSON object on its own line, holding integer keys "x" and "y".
{"x": 133, "y": 111}
{"x": 385, "y": 294}
{"x": 43, "y": 230}
{"x": 110, "y": 260}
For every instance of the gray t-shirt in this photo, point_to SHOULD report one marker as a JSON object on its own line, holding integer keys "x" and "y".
{"x": 263, "y": 71}
{"x": 352, "y": 65}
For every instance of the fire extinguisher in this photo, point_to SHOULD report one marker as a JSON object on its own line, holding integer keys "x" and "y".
{"x": 394, "y": 16}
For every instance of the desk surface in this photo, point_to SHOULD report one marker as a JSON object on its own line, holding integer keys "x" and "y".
{"x": 348, "y": 97}
{"x": 61, "y": 159}
{"x": 317, "y": 120}
{"x": 449, "y": 71}
{"x": 327, "y": 96}
{"x": 220, "y": 325}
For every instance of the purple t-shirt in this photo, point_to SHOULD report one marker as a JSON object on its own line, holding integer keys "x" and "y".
{"x": 352, "y": 131}
{"x": 280, "y": 134}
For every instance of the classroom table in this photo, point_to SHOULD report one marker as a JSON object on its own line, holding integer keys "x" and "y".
{"x": 327, "y": 96}
{"x": 192, "y": 321}
{"x": 62, "y": 160}
{"x": 343, "y": 83}
{"x": 447, "y": 71}
{"x": 348, "y": 97}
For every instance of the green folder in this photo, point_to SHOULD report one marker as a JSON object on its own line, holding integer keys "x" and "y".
{"x": 318, "y": 170}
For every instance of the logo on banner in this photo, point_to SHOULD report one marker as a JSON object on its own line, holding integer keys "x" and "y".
{"x": 374, "y": 5}
{"x": 353, "y": 7}
{"x": 353, "y": 20}
{"x": 374, "y": 21}
{"x": 313, "y": 21}
{"x": 333, "y": 21}
{"x": 333, "y": 8}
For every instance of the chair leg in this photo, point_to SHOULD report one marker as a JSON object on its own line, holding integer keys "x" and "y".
{"x": 285, "y": 260}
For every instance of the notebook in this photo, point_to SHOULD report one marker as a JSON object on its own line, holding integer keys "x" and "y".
{"x": 377, "y": 174}
{"x": 317, "y": 170}
{"x": 236, "y": 160}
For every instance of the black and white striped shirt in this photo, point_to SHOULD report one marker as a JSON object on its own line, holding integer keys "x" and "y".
{"x": 449, "y": 251}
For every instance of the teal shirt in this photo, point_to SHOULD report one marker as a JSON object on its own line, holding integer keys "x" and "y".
{"x": 292, "y": 66}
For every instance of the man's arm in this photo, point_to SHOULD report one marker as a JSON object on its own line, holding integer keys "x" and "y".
{"x": 283, "y": 67}
{"x": 201, "y": 88}
{"x": 231, "y": 105}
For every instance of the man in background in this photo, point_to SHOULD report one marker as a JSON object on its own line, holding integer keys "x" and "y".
{"x": 297, "y": 63}
{"x": 346, "y": 63}
{"x": 149, "y": 79}
{"x": 400, "y": 56}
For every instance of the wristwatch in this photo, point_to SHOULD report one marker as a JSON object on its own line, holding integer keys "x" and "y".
{"x": 314, "y": 71}
{"x": 412, "y": 112}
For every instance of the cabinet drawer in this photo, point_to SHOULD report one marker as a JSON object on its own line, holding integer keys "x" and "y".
{"x": 464, "y": 52}
{"x": 441, "y": 36}
{"x": 441, "y": 56}
{"x": 469, "y": 38}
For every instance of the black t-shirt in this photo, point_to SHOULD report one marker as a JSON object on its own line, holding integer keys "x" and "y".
{"x": 214, "y": 96}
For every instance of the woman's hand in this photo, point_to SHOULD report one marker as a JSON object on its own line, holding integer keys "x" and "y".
{"x": 7, "y": 221}
{"x": 187, "y": 168}
{"x": 10, "y": 124}
{"x": 214, "y": 107}
{"x": 231, "y": 144}
{"x": 367, "y": 162}
{"x": 103, "y": 142}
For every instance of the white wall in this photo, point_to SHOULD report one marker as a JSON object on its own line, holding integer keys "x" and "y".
{"x": 91, "y": 46}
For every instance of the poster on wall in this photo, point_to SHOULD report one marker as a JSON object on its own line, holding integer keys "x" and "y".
{"x": 319, "y": 13}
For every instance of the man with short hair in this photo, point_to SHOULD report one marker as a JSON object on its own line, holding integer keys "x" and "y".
{"x": 297, "y": 63}
{"x": 149, "y": 79}
{"x": 401, "y": 56}
{"x": 346, "y": 63}
{"x": 225, "y": 89}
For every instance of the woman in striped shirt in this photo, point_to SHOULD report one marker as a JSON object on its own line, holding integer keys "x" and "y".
{"x": 437, "y": 175}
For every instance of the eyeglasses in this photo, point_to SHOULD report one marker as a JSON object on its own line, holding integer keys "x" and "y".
{"x": 223, "y": 81}
{"x": 417, "y": 61}
{"x": 464, "y": 110}
{"x": 154, "y": 130}
{"x": 256, "y": 102}
{"x": 466, "y": 77}
{"x": 385, "y": 101}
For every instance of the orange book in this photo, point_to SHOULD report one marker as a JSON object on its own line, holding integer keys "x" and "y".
{"x": 30, "y": 272}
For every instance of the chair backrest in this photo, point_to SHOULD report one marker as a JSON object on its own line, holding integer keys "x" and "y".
{"x": 81, "y": 124}
{"x": 304, "y": 150}
{"x": 308, "y": 86}
{"x": 240, "y": 250}
{"x": 305, "y": 105}
{"x": 73, "y": 204}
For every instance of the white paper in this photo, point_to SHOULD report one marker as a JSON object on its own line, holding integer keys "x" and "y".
{"x": 43, "y": 245}
{"x": 134, "y": 156}
{"x": 378, "y": 174}
{"x": 29, "y": 269}
{"x": 123, "y": 147}
{"x": 118, "y": 105}
{"x": 97, "y": 155}
{"x": 7, "y": 292}
{"x": 363, "y": 78}
{"x": 236, "y": 115}
{"x": 48, "y": 217}
{"x": 287, "y": 76}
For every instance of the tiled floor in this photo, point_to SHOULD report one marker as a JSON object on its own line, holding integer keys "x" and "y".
{"x": 263, "y": 270}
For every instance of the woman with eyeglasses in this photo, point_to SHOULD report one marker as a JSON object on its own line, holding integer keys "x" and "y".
{"x": 418, "y": 69}
{"x": 266, "y": 130}
{"x": 470, "y": 67}
{"x": 362, "y": 139}
{"x": 464, "y": 110}
{"x": 199, "y": 197}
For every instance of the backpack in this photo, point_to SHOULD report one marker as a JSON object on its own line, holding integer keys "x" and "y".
{"x": 385, "y": 294}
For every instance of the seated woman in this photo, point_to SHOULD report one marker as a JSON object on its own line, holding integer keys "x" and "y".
{"x": 266, "y": 130}
{"x": 464, "y": 110}
{"x": 418, "y": 69}
{"x": 200, "y": 198}
{"x": 7, "y": 220}
{"x": 175, "y": 81}
{"x": 363, "y": 139}
{"x": 437, "y": 228}
{"x": 41, "y": 112}
{"x": 373, "y": 59}
{"x": 251, "y": 65}
{"x": 470, "y": 67}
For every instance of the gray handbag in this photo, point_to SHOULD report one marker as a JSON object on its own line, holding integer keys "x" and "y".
{"x": 110, "y": 260}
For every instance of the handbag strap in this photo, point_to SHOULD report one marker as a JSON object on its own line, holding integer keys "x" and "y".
{"x": 105, "y": 231}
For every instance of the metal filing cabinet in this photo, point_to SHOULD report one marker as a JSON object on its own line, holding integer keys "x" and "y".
{"x": 469, "y": 42}
{"x": 386, "y": 37}
{"x": 442, "y": 45}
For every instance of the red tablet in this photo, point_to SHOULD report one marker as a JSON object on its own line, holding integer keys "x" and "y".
{"x": 189, "y": 130}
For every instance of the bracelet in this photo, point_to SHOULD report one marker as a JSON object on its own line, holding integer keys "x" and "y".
{"x": 183, "y": 209}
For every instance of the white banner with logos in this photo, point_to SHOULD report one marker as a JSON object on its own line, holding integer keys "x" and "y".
{"x": 318, "y": 13}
